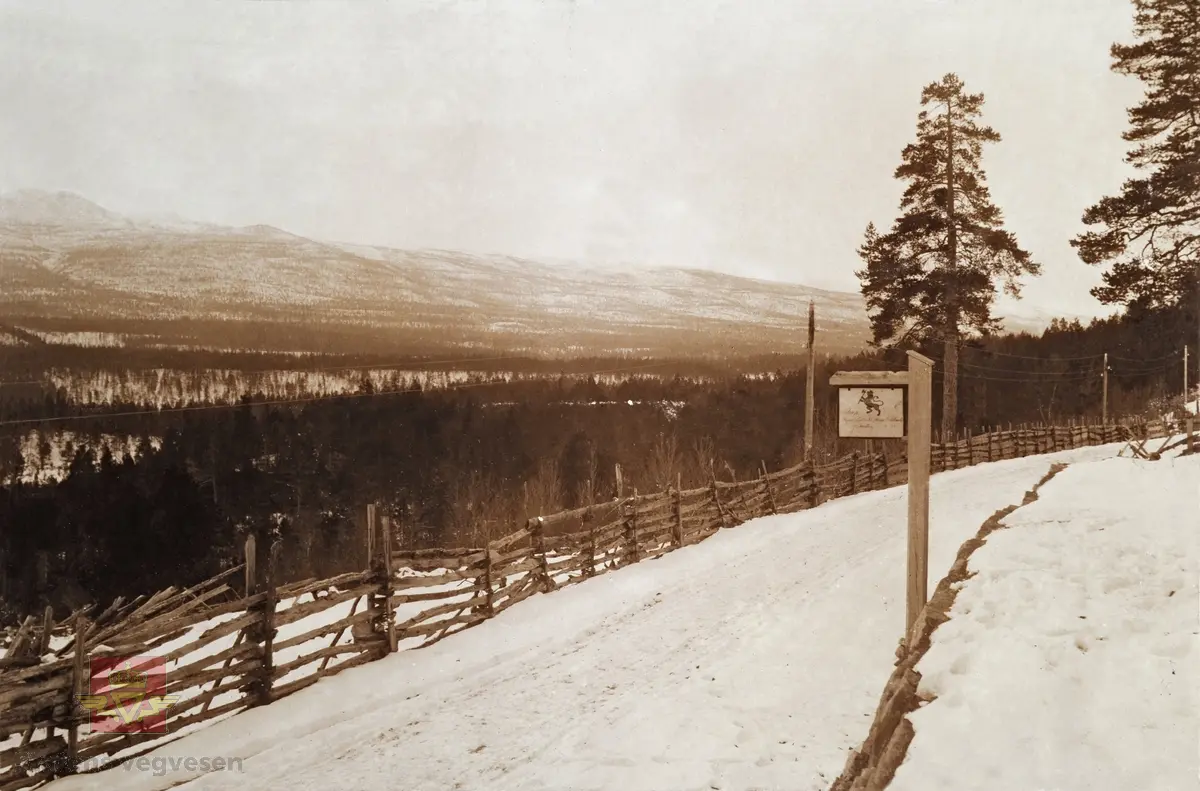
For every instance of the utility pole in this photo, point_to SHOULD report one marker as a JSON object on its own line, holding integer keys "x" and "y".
{"x": 809, "y": 402}
{"x": 1104, "y": 402}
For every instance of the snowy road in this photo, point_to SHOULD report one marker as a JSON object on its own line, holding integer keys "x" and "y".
{"x": 752, "y": 660}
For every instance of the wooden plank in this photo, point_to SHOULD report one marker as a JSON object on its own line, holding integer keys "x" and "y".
{"x": 339, "y": 627}
{"x": 298, "y": 612}
{"x": 284, "y": 690}
{"x": 869, "y": 379}
{"x": 238, "y": 672}
{"x": 202, "y": 671}
{"x": 413, "y": 598}
{"x": 284, "y": 669}
{"x": 353, "y": 578}
{"x": 33, "y": 752}
{"x": 433, "y": 627}
{"x": 920, "y": 419}
{"x": 433, "y": 612}
{"x": 11, "y": 695}
{"x": 526, "y": 565}
{"x": 432, "y": 580}
{"x": 511, "y": 539}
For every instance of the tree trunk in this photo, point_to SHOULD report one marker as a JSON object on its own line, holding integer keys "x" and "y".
{"x": 950, "y": 339}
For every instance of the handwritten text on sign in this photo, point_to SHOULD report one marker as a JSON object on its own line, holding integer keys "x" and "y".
{"x": 871, "y": 412}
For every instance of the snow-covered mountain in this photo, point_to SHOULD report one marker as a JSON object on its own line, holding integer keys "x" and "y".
{"x": 61, "y": 209}
{"x": 64, "y": 256}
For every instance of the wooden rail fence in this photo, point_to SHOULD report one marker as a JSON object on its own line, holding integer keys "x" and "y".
{"x": 228, "y": 644}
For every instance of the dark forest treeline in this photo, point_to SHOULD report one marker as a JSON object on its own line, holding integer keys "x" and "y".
{"x": 454, "y": 465}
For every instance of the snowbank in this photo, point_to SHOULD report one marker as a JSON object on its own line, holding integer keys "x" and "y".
{"x": 873, "y": 765}
{"x": 1071, "y": 657}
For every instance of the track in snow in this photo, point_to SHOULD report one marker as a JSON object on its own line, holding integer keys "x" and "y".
{"x": 751, "y": 660}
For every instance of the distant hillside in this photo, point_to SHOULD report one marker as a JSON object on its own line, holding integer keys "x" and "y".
{"x": 63, "y": 257}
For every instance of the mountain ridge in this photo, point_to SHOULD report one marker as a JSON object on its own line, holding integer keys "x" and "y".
{"x": 64, "y": 256}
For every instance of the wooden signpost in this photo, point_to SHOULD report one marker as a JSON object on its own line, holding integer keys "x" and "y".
{"x": 871, "y": 404}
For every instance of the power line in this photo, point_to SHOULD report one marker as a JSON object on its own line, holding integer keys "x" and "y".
{"x": 982, "y": 350}
{"x": 1044, "y": 376}
{"x": 1172, "y": 356}
{"x": 1018, "y": 370}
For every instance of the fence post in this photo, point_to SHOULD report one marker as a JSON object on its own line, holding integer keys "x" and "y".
{"x": 767, "y": 487}
{"x": 386, "y": 583}
{"x": 251, "y": 558}
{"x": 489, "y": 608}
{"x": 536, "y": 529}
{"x": 79, "y": 681}
{"x": 1191, "y": 425}
{"x": 854, "y": 472}
{"x": 373, "y": 601}
{"x": 717, "y": 500}
{"x": 258, "y": 690}
{"x": 677, "y": 506}
{"x": 631, "y": 533}
{"x": 589, "y": 521}
{"x": 814, "y": 486}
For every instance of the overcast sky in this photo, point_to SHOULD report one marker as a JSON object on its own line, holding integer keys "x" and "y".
{"x": 748, "y": 136}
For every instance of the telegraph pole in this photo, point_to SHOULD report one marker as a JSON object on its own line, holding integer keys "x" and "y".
{"x": 809, "y": 398}
{"x": 1104, "y": 402}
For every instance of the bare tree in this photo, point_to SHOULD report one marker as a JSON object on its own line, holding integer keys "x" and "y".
{"x": 543, "y": 492}
{"x": 664, "y": 462}
{"x": 702, "y": 459}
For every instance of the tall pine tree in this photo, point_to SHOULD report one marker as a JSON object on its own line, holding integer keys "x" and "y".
{"x": 933, "y": 275}
{"x": 1151, "y": 231}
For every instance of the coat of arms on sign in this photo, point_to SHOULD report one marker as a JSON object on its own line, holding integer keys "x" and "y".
{"x": 872, "y": 403}
{"x": 871, "y": 411}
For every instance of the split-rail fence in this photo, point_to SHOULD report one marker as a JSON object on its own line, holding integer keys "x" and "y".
{"x": 241, "y": 640}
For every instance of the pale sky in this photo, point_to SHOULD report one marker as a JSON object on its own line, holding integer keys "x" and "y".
{"x": 748, "y": 136}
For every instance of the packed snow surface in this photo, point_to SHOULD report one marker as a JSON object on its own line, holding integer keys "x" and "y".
{"x": 752, "y": 660}
{"x": 1072, "y": 657}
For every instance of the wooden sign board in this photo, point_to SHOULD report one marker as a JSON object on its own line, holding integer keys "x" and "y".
{"x": 871, "y": 412}
{"x": 874, "y": 404}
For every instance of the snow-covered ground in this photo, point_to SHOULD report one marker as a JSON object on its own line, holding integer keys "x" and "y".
{"x": 1071, "y": 659}
{"x": 751, "y": 660}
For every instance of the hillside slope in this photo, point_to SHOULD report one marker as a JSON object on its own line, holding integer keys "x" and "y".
{"x": 751, "y": 660}
{"x": 62, "y": 256}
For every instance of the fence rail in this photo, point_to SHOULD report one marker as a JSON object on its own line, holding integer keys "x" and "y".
{"x": 240, "y": 640}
